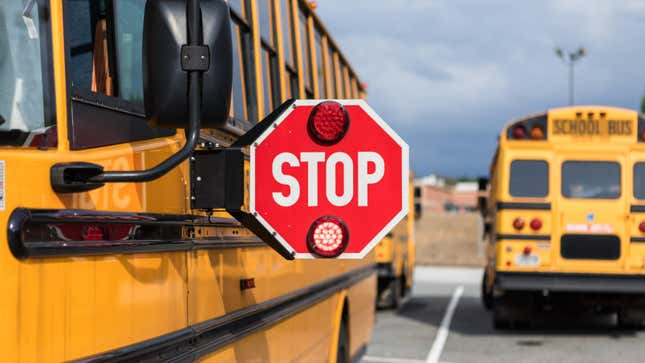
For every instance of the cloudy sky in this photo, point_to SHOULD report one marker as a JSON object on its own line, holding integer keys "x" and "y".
{"x": 448, "y": 74}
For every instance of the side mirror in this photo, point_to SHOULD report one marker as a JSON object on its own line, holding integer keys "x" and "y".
{"x": 482, "y": 204}
{"x": 482, "y": 184}
{"x": 187, "y": 78}
{"x": 167, "y": 57}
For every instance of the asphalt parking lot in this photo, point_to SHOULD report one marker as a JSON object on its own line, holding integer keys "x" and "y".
{"x": 444, "y": 321}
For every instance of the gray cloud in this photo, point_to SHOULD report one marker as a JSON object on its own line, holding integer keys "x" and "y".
{"x": 448, "y": 74}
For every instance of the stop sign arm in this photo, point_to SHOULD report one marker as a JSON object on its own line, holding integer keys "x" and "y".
{"x": 219, "y": 181}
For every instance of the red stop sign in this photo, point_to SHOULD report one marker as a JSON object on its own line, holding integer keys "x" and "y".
{"x": 298, "y": 181}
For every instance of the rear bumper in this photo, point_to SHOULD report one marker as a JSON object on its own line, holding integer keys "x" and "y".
{"x": 582, "y": 283}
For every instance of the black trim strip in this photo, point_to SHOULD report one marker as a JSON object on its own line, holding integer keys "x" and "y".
{"x": 526, "y": 206}
{"x": 637, "y": 208}
{"x": 197, "y": 340}
{"x": 55, "y": 233}
{"x": 637, "y": 240}
{"x": 526, "y": 237}
{"x": 570, "y": 282}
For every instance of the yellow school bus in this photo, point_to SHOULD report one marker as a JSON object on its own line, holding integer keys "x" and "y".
{"x": 566, "y": 216}
{"x": 97, "y": 267}
{"x": 395, "y": 260}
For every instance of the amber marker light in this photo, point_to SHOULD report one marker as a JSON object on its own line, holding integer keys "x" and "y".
{"x": 537, "y": 133}
{"x": 518, "y": 223}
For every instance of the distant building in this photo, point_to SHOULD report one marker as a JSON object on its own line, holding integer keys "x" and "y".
{"x": 434, "y": 193}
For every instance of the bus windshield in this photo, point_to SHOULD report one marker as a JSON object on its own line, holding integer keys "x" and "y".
{"x": 21, "y": 91}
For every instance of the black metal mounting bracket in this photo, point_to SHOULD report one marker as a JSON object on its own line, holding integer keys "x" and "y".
{"x": 73, "y": 177}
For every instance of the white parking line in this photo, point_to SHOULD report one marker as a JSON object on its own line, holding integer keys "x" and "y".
{"x": 369, "y": 358}
{"x": 444, "y": 328}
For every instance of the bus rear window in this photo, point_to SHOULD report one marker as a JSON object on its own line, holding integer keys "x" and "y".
{"x": 639, "y": 180}
{"x": 529, "y": 178}
{"x": 590, "y": 180}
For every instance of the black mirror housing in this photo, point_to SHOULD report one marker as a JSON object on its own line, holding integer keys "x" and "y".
{"x": 482, "y": 184}
{"x": 482, "y": 204}
{"x": 165, "y": 80}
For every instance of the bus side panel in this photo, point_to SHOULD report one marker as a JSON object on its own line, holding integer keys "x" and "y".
{"x": 57, "y": 309}
{"x": 214, "y": 284}
{"x": 304, "y": 337}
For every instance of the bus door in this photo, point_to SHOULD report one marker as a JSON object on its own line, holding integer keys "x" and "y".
{"x": 591, "y": 205}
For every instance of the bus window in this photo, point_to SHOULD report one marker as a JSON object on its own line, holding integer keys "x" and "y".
{"x": 285, "y": 19}
{"x": 320, "y": 65}
{"x": 238, "y": 100}
{"x": 21, "y": 73}
{"x": 266, "y": 19}
{"x": 590, "y": 180}
{"x": 529, "y": 178}
{"x": 304, "y": 50}
{"x": 129, "y": 42}
{"x": 331, "y": 70}
{"x": 102, "y": 65}
{"x": 267, "y": 80}
{"x": 238, "y": 7}
{"x": 639, "y": 180}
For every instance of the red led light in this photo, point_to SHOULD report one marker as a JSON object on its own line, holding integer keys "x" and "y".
{"x": 518, "y": 223}
{"x": 536, "y": 224}
{"x": 527, "y": 250}
{"x": 519, "y": 132}
{"x": 328, "y": 123}
{"x": 328, "y": 237}
{"x": 92, "y": 233}
{"x": 641, "y": 227}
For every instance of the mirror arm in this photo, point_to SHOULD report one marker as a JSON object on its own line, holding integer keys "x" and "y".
{"x": 192, "y": 137}
{"x": 193, "y": 13}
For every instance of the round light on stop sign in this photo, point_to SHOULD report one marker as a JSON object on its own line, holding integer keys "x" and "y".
{"x": 360, "y": 180}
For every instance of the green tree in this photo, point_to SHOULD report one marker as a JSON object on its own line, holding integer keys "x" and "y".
{"x": 643, "y": 104}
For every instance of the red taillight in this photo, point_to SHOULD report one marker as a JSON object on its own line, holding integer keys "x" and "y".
{"x": 519, "y": 132}
{"x": 92, "y": 233}
{"x": 518, "y": 223}
{"x": 328, "y": 237}
{"x": 536, "y": 224}
{"x": 641, "y": 227}
{"x": 328, "y": 123}
{"x": 527, "y": 250}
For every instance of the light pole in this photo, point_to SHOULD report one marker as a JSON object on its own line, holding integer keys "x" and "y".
{"x": 570, "y": 59}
